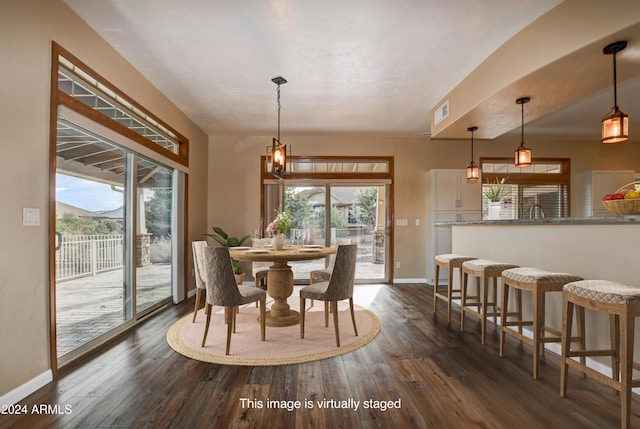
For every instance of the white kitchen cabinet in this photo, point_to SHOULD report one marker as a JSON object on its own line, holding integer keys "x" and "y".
{"x": 451, "y": 198}
{"x": 451, "y": 191}
{"x": 592, "y": 185}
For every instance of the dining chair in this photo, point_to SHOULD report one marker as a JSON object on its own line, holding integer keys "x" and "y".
{"x": 198, "y": 269}
{"x": 223, "y": 290}
{"x": 338, "y": 288}
{"x": 324, "y": 274}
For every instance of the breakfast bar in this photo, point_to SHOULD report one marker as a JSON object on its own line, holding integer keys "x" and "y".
{"x": 603, "y": 248}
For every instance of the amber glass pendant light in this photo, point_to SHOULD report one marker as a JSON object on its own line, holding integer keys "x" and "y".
{"x": 615, "y": 127}
{"x": 523, "y": 153}
{"x": 473, "y": 172}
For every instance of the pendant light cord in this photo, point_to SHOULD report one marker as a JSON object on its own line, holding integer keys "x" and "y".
{"x": 615, "y": 89}
{"x": 278, "y": 98}
{"x": 471, "y": 146}
{"x": 522, "y": 127}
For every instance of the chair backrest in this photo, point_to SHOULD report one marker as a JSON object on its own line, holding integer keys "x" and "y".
{"x": 222, "y": 288}
{"x": 260, "y": 242}
{"x": 339, "y": 242}
{"x": 199, "y": 263}
{"x": 344, "y": 273}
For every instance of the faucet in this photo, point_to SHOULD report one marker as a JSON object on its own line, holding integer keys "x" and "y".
{"x": 533, "y": 207}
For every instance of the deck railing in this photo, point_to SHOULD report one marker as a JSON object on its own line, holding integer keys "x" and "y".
{"x": 87, "y": 255}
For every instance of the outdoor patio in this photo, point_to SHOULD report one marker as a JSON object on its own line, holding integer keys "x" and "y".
{"x": 90, "y": 306}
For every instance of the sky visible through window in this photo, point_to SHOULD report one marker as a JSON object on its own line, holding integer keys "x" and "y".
{"x": 87, "y": 194}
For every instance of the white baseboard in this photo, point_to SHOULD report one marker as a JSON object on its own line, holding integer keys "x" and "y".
{"x": 406, "y": 280}
{"x": 21, "y": 392}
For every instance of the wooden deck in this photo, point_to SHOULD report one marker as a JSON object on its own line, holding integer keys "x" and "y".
{"x": 443, "y": 379}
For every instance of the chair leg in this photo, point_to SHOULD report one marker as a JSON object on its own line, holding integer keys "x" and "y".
{"x": 463, "y": 298}
{"x": 263, "y": 305}
{"x": 435, "y": 289}
{"x": 234, "y": 312}
{"x": 326, "y": 314}
{"x": 206, "y": 326}
{"x": 311, "y": 281}
{"x": 302, "y": 314}
{"x": 567, "y": 320}
{"x": 450, "y": 291}
{"x": 627, "y": 326}
{"x": 503, "y": 315}
{"x": 195, "y": 310}
{"x": 334, "y": 307}
{"x": 614, "y": 333}
{"x": 229, "y": 328}
{"x": 484, "y": 290}
{"x": 538, "y": 323}
{"x": 353, "y": 316}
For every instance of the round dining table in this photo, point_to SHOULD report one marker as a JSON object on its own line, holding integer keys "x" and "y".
{"x": 280, "y": 276}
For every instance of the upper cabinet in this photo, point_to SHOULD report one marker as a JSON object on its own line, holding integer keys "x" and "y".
{"x": 450, "y": 191}
{"x": 594, "y": 184}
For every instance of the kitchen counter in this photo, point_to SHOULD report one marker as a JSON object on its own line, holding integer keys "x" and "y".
{"x": 549, "y": 221}
{"x": 594, "y": 248}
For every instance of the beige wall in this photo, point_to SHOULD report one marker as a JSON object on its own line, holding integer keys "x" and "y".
{"x": 234, "y": 182}
{"x": 26, "y": 30}
{"x": 229, "y": 194}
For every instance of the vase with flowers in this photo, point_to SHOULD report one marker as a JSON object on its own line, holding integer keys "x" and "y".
{"x": 278, "y": 228}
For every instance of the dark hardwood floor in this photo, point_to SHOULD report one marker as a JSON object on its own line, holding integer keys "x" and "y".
{"x": 441, "y": 377}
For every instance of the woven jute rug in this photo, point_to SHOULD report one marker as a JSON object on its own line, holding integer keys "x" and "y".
{"x": 282, "y": 346}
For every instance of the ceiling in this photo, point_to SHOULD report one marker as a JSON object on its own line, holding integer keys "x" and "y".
{"x": 353, "y": 67}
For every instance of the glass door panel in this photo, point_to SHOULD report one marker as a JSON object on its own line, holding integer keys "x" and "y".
{"x": 358, "y": 215}
{"x": 306, "y": 205}
{"x": 153, "y": 234}
{"x": 91, "y": 292}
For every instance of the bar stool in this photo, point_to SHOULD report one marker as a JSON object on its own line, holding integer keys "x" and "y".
{"x": 539, "y": 282}
{"x": 448, "y": 261}
{"x": 484, "y": 270}
{"x": 622, "y": 303}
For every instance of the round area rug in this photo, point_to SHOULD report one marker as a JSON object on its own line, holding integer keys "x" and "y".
{"x": 282, "y": 345}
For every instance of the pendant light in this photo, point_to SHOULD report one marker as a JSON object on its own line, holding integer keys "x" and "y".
{"x": 473, "y": 172}
{"x": 523, "y": 153}
{"x": 278, "y": 150}
{"x": 615, "y": 127}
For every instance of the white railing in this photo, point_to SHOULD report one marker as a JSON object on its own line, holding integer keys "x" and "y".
{"x": 87, "y": 255}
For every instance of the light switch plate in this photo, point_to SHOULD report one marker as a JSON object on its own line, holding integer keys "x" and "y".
{"x": 30, "y": 216}
{"x": 402, "y": 222}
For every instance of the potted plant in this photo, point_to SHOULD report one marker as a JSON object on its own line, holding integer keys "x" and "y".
{"x": 227, "y": 241}
{"x": 494, "y": 193}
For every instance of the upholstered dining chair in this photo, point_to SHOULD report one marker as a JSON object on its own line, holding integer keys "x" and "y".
{"x": 199, "y": 265}
{"x": 324, "y": 274}
{"x": 338, "y": 288}
{"x": 223, "y": 290}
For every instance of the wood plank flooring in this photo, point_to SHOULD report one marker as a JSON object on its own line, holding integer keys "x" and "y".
{"x": 443, "y": 379}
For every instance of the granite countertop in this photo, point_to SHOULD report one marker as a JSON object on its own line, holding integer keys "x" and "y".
{"x": 550, "y": 221}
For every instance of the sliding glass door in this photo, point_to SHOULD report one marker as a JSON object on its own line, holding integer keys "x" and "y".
{"x": 154, "y": 233}
{"x": 114, "y": 255}
{"x": 357, "y": 214}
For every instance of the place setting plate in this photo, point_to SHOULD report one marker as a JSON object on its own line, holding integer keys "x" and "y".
{"x": 309, "y": 249}
{"x": 256, "y": 251}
